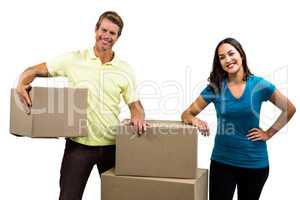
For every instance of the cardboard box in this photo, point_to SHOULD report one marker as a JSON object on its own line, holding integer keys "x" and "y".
{"x": 147, "y": 188}
{"x": 55, "y": 112}
{"x": 166, "y": 149}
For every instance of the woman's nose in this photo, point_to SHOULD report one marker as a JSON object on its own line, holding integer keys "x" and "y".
{"x": 227, "y": 59}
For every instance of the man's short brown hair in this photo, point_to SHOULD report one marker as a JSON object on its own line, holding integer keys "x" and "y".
{"x": 113, "y": 17}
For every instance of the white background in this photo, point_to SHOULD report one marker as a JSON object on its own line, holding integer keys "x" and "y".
{"x": 170, "y": 45}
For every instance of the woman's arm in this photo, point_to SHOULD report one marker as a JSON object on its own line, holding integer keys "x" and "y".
{"x": 287, "y": 111}
{"x": 189, "y": 115}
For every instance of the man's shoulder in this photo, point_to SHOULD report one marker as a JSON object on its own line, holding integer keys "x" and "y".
{"x": 122, "y": 64}
{"x": 70, "y": 55}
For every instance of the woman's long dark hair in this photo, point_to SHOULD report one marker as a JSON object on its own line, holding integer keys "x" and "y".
{"x": 217, "y": 74}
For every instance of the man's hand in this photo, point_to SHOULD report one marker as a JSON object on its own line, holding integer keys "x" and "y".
{"x": 137, "y": 117}
{"x": 23, "y": 93}
{"x": 25, "y": 79}
{"x": 139, "y": 125}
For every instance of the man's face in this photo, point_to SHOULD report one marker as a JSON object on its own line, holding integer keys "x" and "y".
{"x": 106, "y": 35}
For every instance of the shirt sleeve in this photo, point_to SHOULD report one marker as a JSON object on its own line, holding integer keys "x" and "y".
{"x": 267, "y": 89}
{"x": 129, "y": 92}
{"x": 208, "y": 94}
{"x": 58, "y": 66}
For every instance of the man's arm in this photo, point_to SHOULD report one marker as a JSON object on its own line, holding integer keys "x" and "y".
{"x": 137, "y": 117}
{"x": 26, "y": 78}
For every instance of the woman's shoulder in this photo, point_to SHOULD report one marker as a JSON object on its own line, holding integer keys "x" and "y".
{"x": 259, "y": 82}
{"x": 255, "y": 79}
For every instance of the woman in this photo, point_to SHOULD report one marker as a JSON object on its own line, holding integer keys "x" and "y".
{"x": 239, "y": 156}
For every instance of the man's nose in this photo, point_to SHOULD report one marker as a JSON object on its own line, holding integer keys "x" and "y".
{"x": 105, "y": 35}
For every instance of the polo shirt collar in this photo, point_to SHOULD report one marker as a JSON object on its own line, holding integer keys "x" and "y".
{"x": 91, "y": 54}
{"x": 113, "y": 62}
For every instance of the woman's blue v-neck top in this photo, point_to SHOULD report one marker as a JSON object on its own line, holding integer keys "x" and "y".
{"x": 235, "y": 117}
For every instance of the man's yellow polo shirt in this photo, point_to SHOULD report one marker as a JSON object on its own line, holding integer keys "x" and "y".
{"x": 106, "y": 83}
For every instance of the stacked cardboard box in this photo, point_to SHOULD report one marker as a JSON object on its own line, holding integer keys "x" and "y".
{"x": 161, "y": 164}
{"x": 148, "y": 188}
{"x": 55, "y": 112}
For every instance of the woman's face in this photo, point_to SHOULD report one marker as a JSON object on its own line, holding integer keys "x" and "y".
{"x": 230, "y": 58}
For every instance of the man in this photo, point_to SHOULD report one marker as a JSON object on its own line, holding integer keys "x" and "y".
{"x": 106, "y": 77}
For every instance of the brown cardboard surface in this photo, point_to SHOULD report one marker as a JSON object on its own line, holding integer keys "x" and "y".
{"x": 148, "y": 188}
{"x": 55, "y": 112}
{"x": 166, "y": 149}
